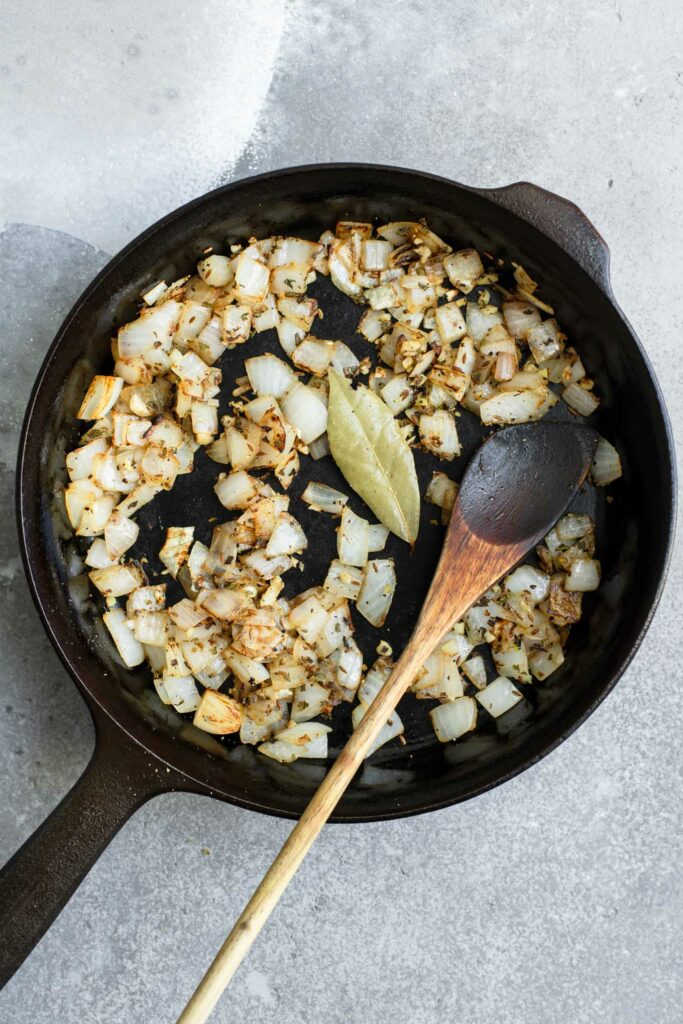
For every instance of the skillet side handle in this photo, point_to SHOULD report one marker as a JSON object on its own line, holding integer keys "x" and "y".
{"x": 561, "y": 220}
{"x": 38, "y": 880}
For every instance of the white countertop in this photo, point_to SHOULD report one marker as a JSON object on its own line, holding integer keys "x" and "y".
{"x": 555, "y": 898}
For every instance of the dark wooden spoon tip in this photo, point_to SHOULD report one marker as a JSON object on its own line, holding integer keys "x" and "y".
{"x": 523, "y": 478}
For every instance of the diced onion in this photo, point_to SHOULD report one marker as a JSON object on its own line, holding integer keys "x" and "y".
{"x": 439, "y": 434}
{"x": 508, "y": 407}
{"x": 343, "y": 580}
{"x": 130, "y": 649}
{"x": 377, "y": 537}
{"x": 236, "y": 490}
{"x": 156, "y": 658}
{"x": 398, "y": 394}
{"x": 374, "y": 680}
{"x": 457, "y": 644}
{"x": 204, "y": 422}
{"x": 146, "y": 599}
{"x": 117, "y": 580}
{"x": 322, "y": 498}
{"x": 287, "y": 537}
{"x": 120, "y": 534}
{"x": 298, "y": 739}
{"x": 393, "y": 727}
{"x": 165, "y": 433}
{"x": 251, "y": 277}
{"x": 475, "y": 670}
{"x": 497, "y": 340}
{"x": 153, "y": 328}
{"x": 241, "y": 446}
{"x": 382, "y": 297}
{"x": 81, "y": 461}
{"x": 309, "y": 619}
{"x": 350, "y": 666}
{"x": 189, "y": 367}
{"x": 528, "y": 578}
{"x": 373, "y": 324}
{"x": 580, "y": 399}
{"x": 336, "y": 631}
{"x": 455, "y": 719}
{"x": 151, "y": 628}
{"x": 293, "y": 250}
{"x": 512, "y": 661}
{"x": 480, "y": 321}
{"x": 300, "y": 312}
{"x": 223, "y": 604}
{"x": 353, "y": 538}
{"x": 98, "y": 557}
{"x": 160, "y": 687}
{"x": 377, "y": 591}
{"x": 344, "y": 360}
{"x": 266, "y": 567}
{"x": 217, "y": 714}
{"x": 197, "y": 564}
{"x": 374, "y": 254}
{"x": 583, "y": 575}
{"x": 155, "y": 292}
{"x": 310, "y": 700}
{"x": 176, "y": 547}
{"x": 544, "y": 340}
{"x": 340, "y": 266}
{"x": 313, "y": 355}
{"x": 268, "y": 375}
{"x": 319, "y": 448}
{"x": 182, "y": 693}
{"x": 606, "y": 466}
{"x": 87, "y": 508}
{"x": 520, "y": 318}
{"x": 466, "y": 357}
{"x": 100, "y": 398}
{"x": 255, "y": 727}
{"x": 209, "y": 343}
{"x": 442, "y": 491}
{"x": 194, "y": 317}
{"x": 266, "y": 320}
{"x": 290, "y": 279}
{"x": 95, "y": 515}
{"x": 572, "y": 527}
{"x": 544, "y": 662}
{"x": 499, "y": 696}
{"x": 289, "y": 335}
{"x": 216, "y": 270}
{"x": 464, "y": 269}
{"x": 306, "y": 412}
{"x": 286, "y": 675}
{"x": 449, "y": 381}
{"x": 439, "y": 679}
{"x": 450, "y": 323}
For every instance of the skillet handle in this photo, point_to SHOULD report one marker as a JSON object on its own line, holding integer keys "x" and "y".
{"x": 39, "y": 879}
{"x": 561, "y": 220}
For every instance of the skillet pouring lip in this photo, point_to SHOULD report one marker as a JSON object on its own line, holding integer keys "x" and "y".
{"x": 190, "y": 762}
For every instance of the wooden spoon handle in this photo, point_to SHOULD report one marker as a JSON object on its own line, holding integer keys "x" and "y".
{"x": 449, "y": 597}
{"x": 300, "y": 840}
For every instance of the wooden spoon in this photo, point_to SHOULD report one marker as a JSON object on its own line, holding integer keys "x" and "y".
{"x": 515, "y": 488}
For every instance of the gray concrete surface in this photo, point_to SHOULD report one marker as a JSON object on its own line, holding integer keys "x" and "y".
{"x": 556, "y": 898}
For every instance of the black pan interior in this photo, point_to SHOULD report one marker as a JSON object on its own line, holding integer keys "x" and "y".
{"x": 633, "y": 527}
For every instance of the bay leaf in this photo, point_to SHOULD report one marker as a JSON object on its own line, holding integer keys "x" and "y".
{"x": 369, "y": 449}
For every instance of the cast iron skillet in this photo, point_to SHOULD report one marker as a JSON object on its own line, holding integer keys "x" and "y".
{"x": 141, "y": 749}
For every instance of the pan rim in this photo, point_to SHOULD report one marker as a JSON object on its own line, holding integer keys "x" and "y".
{"x": 642, "y": 617}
